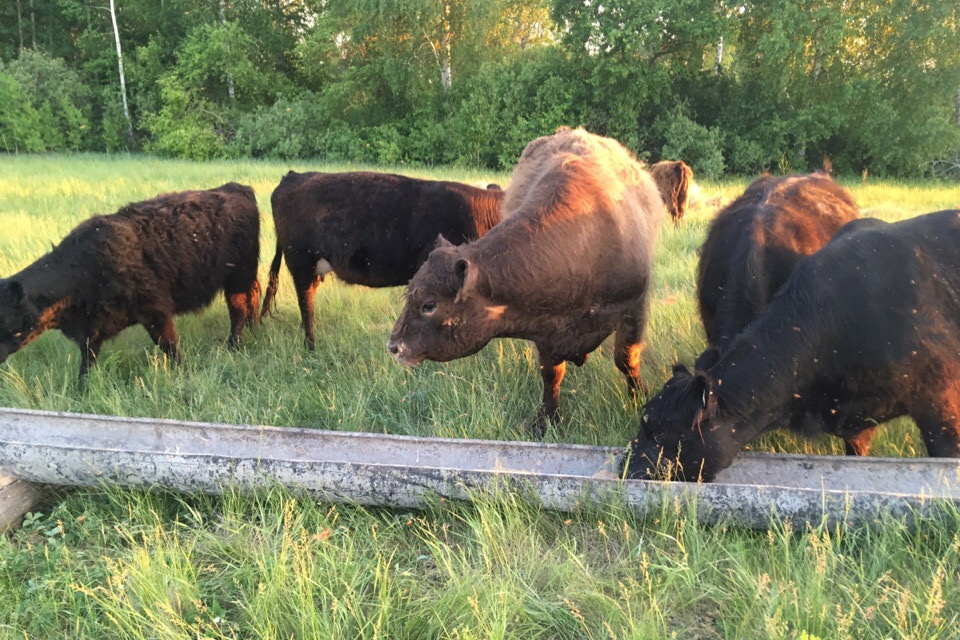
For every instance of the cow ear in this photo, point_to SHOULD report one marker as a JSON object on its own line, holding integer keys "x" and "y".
{"x": 679, "y": 369}
{"x": 442, "y": 242}
{"x": 466, "y": 274}
{"x": 707, "y": 359}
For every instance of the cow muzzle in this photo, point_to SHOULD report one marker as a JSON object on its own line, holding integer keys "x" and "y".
{"x": 401, "y": 353}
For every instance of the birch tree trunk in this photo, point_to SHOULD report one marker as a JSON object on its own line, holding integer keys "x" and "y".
{"x": 719, "y": 54}
{"x": 33, "y": 27}
{"x": 123, "y": 81}
{"x": 223, "y": 23}
{"x": 20, "y": 23}
{"x": 446, "y": 71}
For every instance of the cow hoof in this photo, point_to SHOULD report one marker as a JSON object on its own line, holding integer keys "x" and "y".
{"x": 538, "y": 428}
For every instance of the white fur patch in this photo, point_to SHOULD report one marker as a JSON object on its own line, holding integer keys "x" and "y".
{"x": 323, "y": 268}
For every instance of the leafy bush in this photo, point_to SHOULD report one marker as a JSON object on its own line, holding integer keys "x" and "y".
{"x": 186, "y": 126}
{"x": 286, "y": 129}
{"x": 53, "y": 100}
{"x": 693, "y": 143}
{"x": 21, "y": 128}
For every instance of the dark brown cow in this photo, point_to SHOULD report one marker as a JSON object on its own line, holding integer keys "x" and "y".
{"x": 142, "y": 265}
{"x": 374, "y": 229}
{"x": 569, "y": 265}
{"x": 752, "y": 247}
{"x": 674, "y": 179}
{"x": 754, "y": 243}
{"x": 865, "y": 330}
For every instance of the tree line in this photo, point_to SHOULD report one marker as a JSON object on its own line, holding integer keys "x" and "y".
{"x": 873, "y": 85}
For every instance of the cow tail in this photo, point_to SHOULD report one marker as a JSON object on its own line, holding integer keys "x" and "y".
{"x": 269, "y": 302}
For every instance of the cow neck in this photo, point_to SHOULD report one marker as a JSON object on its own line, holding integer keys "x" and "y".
{"x": 759, "y": 377}
{"x": 487, "y": 212}
{"x": 49, "y": 286}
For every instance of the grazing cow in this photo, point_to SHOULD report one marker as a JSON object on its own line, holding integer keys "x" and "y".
{"x": 142, "y": 265}
{"x": 374, "y": 229}
{"x": 674, "y": 180}
{"x": 863, "y": 331}
{"x": 569, "y": 265}
{"x": 754, "y": 243}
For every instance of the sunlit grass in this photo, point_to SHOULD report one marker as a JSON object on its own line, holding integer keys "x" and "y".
{"x": 123, "y": 564}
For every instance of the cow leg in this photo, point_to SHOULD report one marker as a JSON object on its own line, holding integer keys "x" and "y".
{"x": 164, "y": 335}
{"x": 626, "y": 354}
{"x": 859, "y": 443}
{"x": 239, "y": 308}
{"x": 253, "y": 305}
{"x": 551, "y": 371}
{"x": 305, "y": 291}
{"x": 89, "y": 350}
{"x": 941, "y": 433}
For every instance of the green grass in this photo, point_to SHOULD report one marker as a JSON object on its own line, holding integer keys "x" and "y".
{"x": 128, "y": 564}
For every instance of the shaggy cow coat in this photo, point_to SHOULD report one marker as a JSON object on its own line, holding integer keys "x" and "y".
{"x": 373, "y": 229}
{"x": 142, "y": 265}
{"x": 754, "y": 243}
{"x": 865, "y": 330}
{"x": 569, "y": 265}
{"x": 674, "y": 180}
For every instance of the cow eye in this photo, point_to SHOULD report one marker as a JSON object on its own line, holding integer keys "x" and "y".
{"x": 428, "y": 307}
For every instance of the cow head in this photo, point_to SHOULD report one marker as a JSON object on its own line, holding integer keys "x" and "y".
{"x": 448, "y": 313}
{"x": 673, "y": 182}
{"x": 682, "y": 434}
{"x": 18, "y": 318}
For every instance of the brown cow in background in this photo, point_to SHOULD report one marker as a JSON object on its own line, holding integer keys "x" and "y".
{"x": 674, "y": 180}
{"x": 374, "y": 229}
{"x": 569, "y": 265}
{"x": 754, "y": 242}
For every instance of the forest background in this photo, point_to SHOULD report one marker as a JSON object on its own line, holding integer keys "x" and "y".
{"x": 732, "y": 88}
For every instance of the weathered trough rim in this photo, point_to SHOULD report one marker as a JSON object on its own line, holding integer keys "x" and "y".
{"x": 396, "y": 471}
{"x": 287, "y": 432}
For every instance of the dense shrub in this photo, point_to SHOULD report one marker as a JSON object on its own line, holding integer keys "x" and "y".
{"x": 52, "y": 102}
{"x": 187, "y": 125}
{"x": 697, "y": 145}
{"x": 286, "y": 129}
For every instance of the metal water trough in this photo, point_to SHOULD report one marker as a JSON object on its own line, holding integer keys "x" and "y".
{"x": 404, "y": 471}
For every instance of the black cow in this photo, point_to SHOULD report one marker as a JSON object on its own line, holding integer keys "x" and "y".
{"x": 142, "y": 265}
{"x": 863, "y": 331}
{"x": 374, "y": 229}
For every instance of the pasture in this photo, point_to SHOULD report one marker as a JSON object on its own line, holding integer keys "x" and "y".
{"x": 118, "y": 564}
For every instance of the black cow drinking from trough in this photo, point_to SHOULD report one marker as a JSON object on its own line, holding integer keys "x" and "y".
{"x": 863, "y": 331}
{"x": 142, "y": 265}
{"x": 569, "y": 265}
{"x": 754, "y": 243}
{"x": 373, "y": 229}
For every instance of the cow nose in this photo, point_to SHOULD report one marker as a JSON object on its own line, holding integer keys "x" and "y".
{"x": 393, "y": 346}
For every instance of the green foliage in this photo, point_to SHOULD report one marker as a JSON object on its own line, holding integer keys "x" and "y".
{"x": 871, "y": 84}
{"x": 697, "y": 145}
{"x": 21, "y": 127}
{"x": 286, "y": 129}
{"x": 53, "y": 100}
{"x": 187, "y": 125}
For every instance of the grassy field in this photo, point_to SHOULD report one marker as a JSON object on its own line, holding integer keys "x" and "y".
{"x": 119, "y": 564}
